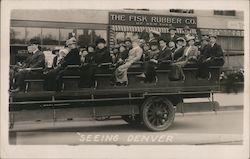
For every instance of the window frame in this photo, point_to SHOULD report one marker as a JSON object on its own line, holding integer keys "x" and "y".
{"x": 182, "y": 11}
{"x": 224, "y": 13}
{"x": 59, "y": 34}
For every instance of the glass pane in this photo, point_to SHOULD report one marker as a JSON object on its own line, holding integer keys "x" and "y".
{"x": 17, "y": 35}
{"x": 64, "y": 35}
{"x": 84, "y": 37}
{"x": 34, "y": 33}
{"x": 50, "y": 36}
{"x": 99, "y": 34}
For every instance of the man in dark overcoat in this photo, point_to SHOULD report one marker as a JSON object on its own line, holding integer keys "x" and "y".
{"x": 30, "y": 67}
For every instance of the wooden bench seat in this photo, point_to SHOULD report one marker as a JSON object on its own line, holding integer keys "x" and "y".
{"x": 71, "y": 78}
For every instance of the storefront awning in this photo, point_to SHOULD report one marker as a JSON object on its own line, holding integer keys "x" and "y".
{"x": 123, "y": 28}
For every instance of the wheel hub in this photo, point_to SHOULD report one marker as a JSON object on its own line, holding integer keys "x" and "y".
{"x": 159, "y": 113}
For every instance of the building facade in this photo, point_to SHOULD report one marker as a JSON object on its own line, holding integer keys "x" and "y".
{"x": 52, "y": 27}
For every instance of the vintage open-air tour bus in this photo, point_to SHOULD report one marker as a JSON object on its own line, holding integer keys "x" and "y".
{"x": 151, "y": 104}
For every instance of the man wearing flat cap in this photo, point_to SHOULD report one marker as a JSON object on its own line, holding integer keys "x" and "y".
{"x": 154, "y": 35}
{"x": 34, "y": 61}
{"x": 216, "y": 55}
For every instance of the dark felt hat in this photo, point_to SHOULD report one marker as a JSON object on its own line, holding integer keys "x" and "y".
{"x": 34, "y": 41}
{"x": 100, "y": 40}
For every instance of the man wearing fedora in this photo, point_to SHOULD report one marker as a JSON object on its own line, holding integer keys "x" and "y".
{"x": 172, "y": 34}
{"x": 35, "y": 60}
{"x": 211, "y": 55}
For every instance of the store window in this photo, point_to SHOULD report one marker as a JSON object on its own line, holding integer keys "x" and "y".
{"x": 99, "y": 34}
{"x": 189, "y": 11}
{"x": 83, "y": 37}
{"x": 33, "y": 33}
{"x": 50, "y": 36}
{"x": 17, "y": 35}
{"x": 64, "y": 35}
{"x": 121, "y": 36}
{"x": 86, "y": 36}
{"x": 225, "y": 12}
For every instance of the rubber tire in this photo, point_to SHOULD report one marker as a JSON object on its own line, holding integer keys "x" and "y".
{"x": 170, "y": 118}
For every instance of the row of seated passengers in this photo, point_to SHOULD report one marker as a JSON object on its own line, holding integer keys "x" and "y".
{"x": 208, "y": 55}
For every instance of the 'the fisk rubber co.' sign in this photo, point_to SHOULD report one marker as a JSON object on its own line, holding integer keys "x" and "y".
{"x": 151, "y": 20}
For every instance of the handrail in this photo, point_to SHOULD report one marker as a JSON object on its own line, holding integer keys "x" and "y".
{"x": 73, "y": 66}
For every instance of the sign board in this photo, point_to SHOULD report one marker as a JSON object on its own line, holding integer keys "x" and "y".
{"x": 235, "y": 25}
{"x": 223, "y": 32}
{"x": 151, "y": 20}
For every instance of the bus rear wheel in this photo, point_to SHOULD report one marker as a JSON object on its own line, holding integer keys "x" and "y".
{"x": 157, "y": 113}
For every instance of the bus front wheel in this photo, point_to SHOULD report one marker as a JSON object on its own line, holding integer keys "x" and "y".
{"x": 157, "y": 113}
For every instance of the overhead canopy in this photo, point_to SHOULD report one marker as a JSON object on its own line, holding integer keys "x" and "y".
{"x": 124, "y": 28}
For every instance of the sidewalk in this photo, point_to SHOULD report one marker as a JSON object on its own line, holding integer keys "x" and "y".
{"x": 229, "y": 99}
{"x": 226, "y": 101}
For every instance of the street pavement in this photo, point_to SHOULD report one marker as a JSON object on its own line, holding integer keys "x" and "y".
{"x": 223, "y": 127}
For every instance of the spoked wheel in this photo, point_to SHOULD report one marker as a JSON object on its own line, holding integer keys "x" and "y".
{"x": 157, "y": 113}
{"x": 132, "y": 121}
